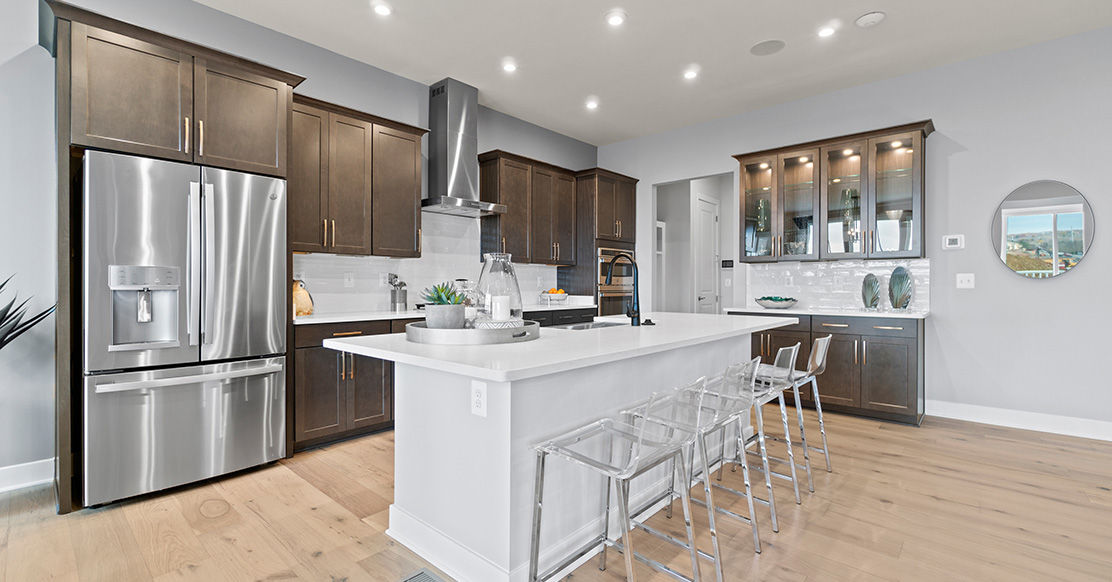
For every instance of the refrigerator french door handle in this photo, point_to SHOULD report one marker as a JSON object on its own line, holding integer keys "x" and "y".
{"x": 210, "y": 244}
{"x": 183, "y": 380}
{"x": 193, "y": 273}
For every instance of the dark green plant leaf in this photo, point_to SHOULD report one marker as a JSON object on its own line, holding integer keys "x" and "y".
{"x": 20, "y": 330}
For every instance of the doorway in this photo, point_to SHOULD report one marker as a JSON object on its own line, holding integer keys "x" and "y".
{"x": 706, "y": 255}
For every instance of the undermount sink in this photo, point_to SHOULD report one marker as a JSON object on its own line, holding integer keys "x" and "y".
{"x": 589, "y": 325}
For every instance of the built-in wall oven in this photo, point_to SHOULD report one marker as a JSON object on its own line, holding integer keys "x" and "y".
{"x": 615, "y": 298}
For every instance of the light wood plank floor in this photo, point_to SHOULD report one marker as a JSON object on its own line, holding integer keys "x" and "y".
{"x": 948, "y": 500}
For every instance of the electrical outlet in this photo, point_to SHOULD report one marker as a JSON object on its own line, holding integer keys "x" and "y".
{"x": 349, "y": 279}
{"x": 478, "y": 398}
{"x": 728, "y": 282}
{"x": 966, "y": 281}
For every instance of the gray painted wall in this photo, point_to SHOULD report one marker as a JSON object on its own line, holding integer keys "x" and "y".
{"x": 673, "y": 207}
{"x": 1033, "y": 113}
{"x": 27, "y": 176}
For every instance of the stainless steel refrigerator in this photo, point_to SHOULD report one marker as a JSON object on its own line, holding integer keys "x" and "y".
{"x": 184, "y": 323}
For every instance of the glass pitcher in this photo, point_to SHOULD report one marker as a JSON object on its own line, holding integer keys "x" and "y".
{"x": 499, "y": 294}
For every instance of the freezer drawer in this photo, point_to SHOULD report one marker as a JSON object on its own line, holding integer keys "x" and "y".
{"x": 146, "y": 431}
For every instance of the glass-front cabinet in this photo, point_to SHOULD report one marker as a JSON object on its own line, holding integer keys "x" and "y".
{"x": 758, "y": 210}
{"x": 854, "y": 197}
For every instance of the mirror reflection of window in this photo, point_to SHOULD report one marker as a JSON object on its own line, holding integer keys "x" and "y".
{"x": 1043, "y": 229}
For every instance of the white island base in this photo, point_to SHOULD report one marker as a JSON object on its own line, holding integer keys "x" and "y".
{"x": 466, "y": 419}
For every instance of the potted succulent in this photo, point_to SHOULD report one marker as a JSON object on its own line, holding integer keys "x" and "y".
{"x": 445, "y": 308}
{"x": 12, "y": 324}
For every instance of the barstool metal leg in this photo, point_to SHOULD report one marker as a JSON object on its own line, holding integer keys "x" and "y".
{"x": 803, "y": 440}
{"x": 538, "y": 492}
{"x": 701, "y": 443}
{"x": 685, "y": 502}
{"x": 605, "y": 522}
{"x": 764, "y": 465}
{"x": 621, "y": 487}
{"x": 788, "y": 444}
{"x": 722, "y": 454}
{"x": 822, "y": 426}
{"x": 749, "y": 499}
{"x": 671, "y": 490}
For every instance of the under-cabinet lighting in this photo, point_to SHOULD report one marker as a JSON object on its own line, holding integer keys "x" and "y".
{"x": 847, "y": 152}
{"x": 803, "y": 159}
{"x": 764, "y": 165}
{"x": 896, "y": 144}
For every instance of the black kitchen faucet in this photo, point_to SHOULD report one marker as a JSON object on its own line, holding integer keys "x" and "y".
{"x": 634, "y": 311}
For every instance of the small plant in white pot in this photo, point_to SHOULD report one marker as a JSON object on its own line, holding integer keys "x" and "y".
{"x": 445, "y": 309}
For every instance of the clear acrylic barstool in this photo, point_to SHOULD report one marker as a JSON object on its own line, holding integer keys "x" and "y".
{"x": 620, "y": 450}
{"x": 771, "y": 383}
{"x": 816, "y": 365}
{"x": 726, "y": 399}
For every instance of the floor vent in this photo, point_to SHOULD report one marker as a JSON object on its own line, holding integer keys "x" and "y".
{"x": 423, "y": 576}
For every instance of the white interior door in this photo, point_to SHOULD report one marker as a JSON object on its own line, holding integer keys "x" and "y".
{"x": 705, "y": 238}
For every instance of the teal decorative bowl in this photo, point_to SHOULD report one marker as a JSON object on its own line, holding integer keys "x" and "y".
{"x": 776, "y": 302}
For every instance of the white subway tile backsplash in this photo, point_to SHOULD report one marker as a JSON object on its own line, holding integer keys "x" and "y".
{"x": 834, "y": 284}
{"x": 450, "y": 251}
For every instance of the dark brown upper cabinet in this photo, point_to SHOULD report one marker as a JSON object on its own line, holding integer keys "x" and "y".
{"x": 355, "y": 182}
{"x": 539, "y": 224}
{"x": 611, "y": 198}
{"x": 139, "y": 92}
{"x": 396, "y": 193}
{"x": 241, "y": 118}
{"x": 860, "y": 197}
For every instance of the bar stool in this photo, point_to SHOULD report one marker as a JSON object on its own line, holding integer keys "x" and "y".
{"x": 621, "y": 450}
{"x": 771, "y": 383}
{"x": 816, "y": 365}
{"x": 726, "y": 398}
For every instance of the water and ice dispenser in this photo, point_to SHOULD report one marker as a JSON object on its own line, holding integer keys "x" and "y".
{"x": 145, "y": 307}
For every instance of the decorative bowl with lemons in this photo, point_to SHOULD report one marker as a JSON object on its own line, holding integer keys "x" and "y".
{"x": 554, "y": 295}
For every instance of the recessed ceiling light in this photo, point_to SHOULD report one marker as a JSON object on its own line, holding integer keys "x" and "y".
{"x": 592, "y": 103}
{"x": 767, "y": 47}
{"x": 870, "y": 19}
{"x": 847, "y": 152}
{"x": 509, "y": 65}
{"x": 803, "y": 159}
{"x": 764, "y": 165}
{"x": 826, "y": 31}
{"x": 616, "y": 17}
{"x": 382, "y": 8}
{"x": 896, "y": 144}
{"x": 691, "y": 72}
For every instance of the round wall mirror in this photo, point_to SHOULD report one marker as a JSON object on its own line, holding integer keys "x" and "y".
{"x": 1043, "y": 229}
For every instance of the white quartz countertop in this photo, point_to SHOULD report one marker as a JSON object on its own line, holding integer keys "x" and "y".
{"x": 414, "y": 314}
{"x": 559, "y": 350}
{"x": 831, "y": 312}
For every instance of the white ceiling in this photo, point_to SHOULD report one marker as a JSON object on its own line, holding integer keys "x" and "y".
{"x": 565, "y": 50}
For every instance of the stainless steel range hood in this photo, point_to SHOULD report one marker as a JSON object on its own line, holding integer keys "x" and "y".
{"x": 454, "y": 152}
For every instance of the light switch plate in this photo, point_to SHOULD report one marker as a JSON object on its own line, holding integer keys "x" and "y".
{"x": 966, "y": 281}
{"x": 478, "y": 398}
{"x": 953, "y": 242}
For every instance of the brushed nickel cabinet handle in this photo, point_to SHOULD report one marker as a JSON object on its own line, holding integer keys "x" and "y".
{"x": 420, "y": 241}
{"x": 333, "y": 233}
{"x": 346, "y": 333}
{"x": 557, "y": 251}
{"x": 892, "y": 327}
{"x": 201, "y": 137}
{"x": 343, "y": 365}
{"x": 324, "y": 243}
{"x": 835, "y": 325}
{"x": 864, "y": 352}
{"x": 854, "y": 351}
{"x": 351, "y": 368}
{"x": 187, "y": 134}
{"x": 503, "y": 245}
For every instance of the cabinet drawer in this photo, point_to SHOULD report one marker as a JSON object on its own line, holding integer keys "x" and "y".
{"x": 544, "y": 318}
{"x": 398, "y": 325}
{"x": 803, "y": 325}
{"x": 309, "y": 336}
{"x": 566, "y": 316}
{"x": 876, "y": 326}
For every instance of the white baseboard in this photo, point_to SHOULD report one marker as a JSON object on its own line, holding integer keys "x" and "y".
{"x": 1065, "y": 425}
{"x": 26, "y": 474}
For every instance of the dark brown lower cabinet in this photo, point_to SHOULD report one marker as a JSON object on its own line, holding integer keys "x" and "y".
{"x": 338, "y": 394}
{"x": 874, "y": 366}
{"x": 561, "y": 316}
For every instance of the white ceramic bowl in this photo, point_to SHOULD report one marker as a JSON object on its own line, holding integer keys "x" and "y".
{"x": 776, "y": 304}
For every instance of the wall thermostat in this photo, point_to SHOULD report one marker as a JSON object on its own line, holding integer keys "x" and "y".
{"x": 953, "y": 241}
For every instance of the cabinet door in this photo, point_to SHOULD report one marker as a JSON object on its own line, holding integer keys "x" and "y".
{"x": 320, "y": 394}
{"x": 370, "y": 391}
{"x": 514, "y": 185}
{"x": 130, "y": 96}
{"x": 396, "y": 193}
{"x": 758, "y": 209}
{"x": 563, "y": 219}
{"x": 241, "y": 118}
{"x": 625, "y": 210}
{"x": 349, "y": 185}
{"x": 798, "y": 204}
{"x": 542, "y": 245}
{"x": 840, "y": 383}
{"x": 842, "y": 195}
{"x": 308, "y": 179}
{"x": 896, "y": 196}
{"x": 888, "y": 369}
{"x": 606, "y": 220}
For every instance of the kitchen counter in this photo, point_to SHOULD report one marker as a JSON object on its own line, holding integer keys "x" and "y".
{"x": 467, "y": 418}
{"x": 830, "y": 312}
{"x": 414, "y": 314}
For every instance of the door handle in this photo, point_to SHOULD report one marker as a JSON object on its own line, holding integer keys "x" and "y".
{"x": 891, "y": 327}
{"x": 346, "y": 333}
{"x": 193, "y": 276}
{"x": 552, "y": 252}
{"x": 333, "y": 233}
{"x": 835, "y": 325}
{"x": 864, "y": 352}
{"x": 189, "y": 379}
{"x": 557, "y": 251}
{"x": 343, "y": 365}
{"x": 324, "y": 243}
{"x": 201, "y": 137}
{"x": 210, "y": 253}
{"x": 187, "y": 134}
{"x": 351, "y": 368}
{"x": 854, "y": 351}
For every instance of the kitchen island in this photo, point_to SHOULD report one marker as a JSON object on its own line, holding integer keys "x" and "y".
{"x": 466, "y": 418}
